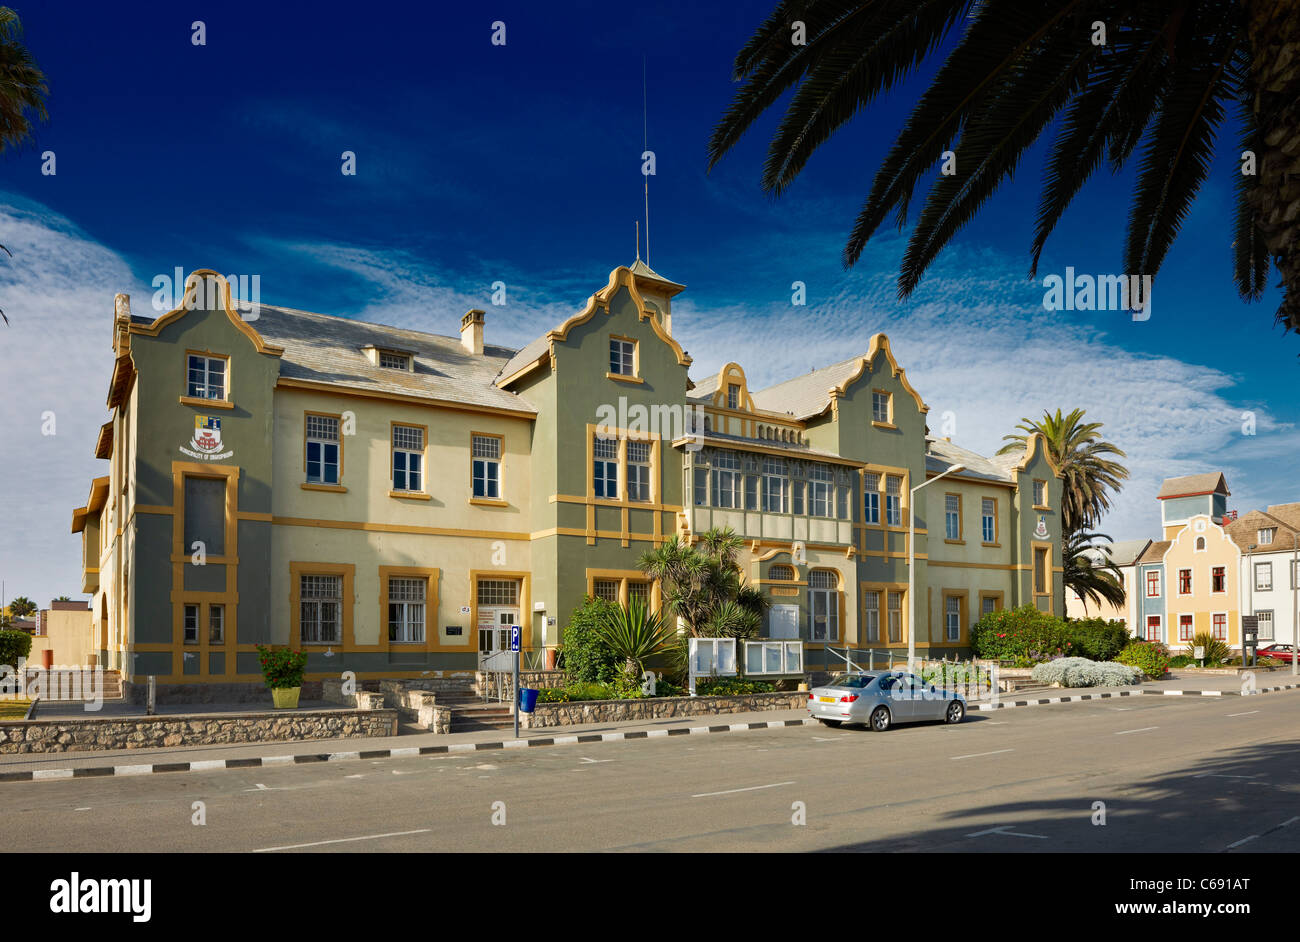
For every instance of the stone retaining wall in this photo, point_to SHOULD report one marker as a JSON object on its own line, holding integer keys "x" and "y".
{"x": 415, "y": 701}
{"x": 137, "y": 693}
{"x": 616, "y": 711}
{"x": 196, "y": 729}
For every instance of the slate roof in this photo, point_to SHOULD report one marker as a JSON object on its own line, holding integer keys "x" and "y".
{"x": 1155, "y": 553}
{"x": 1245, "y": 529}
{"x": 806, "y": 395}
{"x": 1207, "y": 483}
{"x": 327, "y": 349}
{"x": 1125, "y": 552}
{"x": 942, "y": 454}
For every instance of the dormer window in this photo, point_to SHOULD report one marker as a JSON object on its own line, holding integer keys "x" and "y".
{"x": 394, "y": 361}
{"x": 733, "y": 396}
{"x": 1265, "y": 536}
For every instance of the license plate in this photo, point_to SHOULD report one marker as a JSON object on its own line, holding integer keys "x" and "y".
{"x": 825, "y": 699}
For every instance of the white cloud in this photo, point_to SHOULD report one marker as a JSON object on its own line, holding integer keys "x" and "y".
{"x": 55, "y": 357}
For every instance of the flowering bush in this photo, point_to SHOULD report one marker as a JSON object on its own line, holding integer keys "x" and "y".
{"x": 1026, "y": 634}
{"x": 281, "y": 667}
{"x": 1082, "y": 672}
{"x": 1150, "y": 657}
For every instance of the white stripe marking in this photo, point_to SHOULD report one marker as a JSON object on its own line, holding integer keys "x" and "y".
{"x": 974, "y": 755}
{"x": 266, "y": 760}
{"x": 1243, "y": 841}
{"x": 342, "y": 840}
{"x": 130, "y": 770}
{"x": 405, "y": 751}
{"x": 515, "y": 744}
{"x": 565, "y": 740}
{"x": 1142, "y": 730}
{"x": 204, "y": 765}
{"x": 1247, "y": 713}
{"x": 467, "y": 746}
{"x": 612, "y": 737}
{"x": 54, "y": 773}
{"x": 651, "y": 734}
{"x": 732, "y": 791}
{"x": 342, "y": 756}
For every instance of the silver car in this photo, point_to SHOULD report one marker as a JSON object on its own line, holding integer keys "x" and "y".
{"x": 881, "y": 699}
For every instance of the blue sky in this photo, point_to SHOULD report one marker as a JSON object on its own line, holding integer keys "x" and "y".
{"x": 521, "y": 163}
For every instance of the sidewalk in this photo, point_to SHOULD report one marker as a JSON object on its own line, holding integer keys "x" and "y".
{"x": 41, "y": 765}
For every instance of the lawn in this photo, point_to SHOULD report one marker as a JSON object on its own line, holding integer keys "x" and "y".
{"x": 14, "y": 709}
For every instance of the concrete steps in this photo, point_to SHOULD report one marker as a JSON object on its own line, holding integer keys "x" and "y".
{"x": 56, "y": 683}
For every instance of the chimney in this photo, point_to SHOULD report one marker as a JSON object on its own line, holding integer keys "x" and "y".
{"x": 471, "y": 332}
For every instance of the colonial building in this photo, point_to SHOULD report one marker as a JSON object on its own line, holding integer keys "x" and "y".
{"x": 396, "y": 502}
{"x": 1211, "y": 567}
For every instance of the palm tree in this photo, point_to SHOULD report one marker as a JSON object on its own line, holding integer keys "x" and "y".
{"x": 22, "y": 91}
{"x": 633, "y": 633}
{"x": 1089, "y": 570}
{"x": 1164, "y": 78}
{"x": 1077, "y": 449}
{"x": 698, "y": 583}
{"x": 21, "y": 607}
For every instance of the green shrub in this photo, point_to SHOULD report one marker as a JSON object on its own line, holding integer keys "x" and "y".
{"x": 666, "y": 688}
{"x": 1097, "y": 638}
{"x": 730, "y": 686}
{"x": 575, "y": 692}
{"x": 1216, "y": 651}
{"x": 587, "y": 659}
{"x": 1019, "y": 633}
{"x": 13, "y": 646}
{"x": 1182, "y": 660}
{"x": 1150, "y": 657}
{"x": 281, "y": 667}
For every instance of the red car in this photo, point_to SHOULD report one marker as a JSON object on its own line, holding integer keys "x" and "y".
{"x": 1279, "y": 652}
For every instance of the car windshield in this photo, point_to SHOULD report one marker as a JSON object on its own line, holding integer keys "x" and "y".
{"x": 852, "y": 680}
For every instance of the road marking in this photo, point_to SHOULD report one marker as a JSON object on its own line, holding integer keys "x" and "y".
{"x": 1142, "y": 730}
{"x": 594, "y": 761}
{"x": 1220, "y": 775}
{"x": 1247, "y": 713}
{"x": 80, "y": 809}
{"x": 358, "y": 775}
{"x": 203, "y": 765}
{"x": 1003, "y": 830}
{"x": 342, "y": 840}
{"x": 975, "y": 755}
{"x": 732, "y": 791}
{"x": 1243, "y": 841}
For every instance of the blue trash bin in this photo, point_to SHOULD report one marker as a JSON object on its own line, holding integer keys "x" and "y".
{"x": 527, "y": 699}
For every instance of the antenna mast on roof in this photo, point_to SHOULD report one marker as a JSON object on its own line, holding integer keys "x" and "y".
{"x": 645, "y": 146}
{"x": 638, "y": 240}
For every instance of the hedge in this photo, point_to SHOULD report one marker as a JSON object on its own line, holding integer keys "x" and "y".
{"x": 1025, "y": 633}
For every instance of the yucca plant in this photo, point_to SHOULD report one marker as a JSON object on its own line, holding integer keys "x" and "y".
{"x": 1216, "y": 650}
{"x": 633, "y": 633}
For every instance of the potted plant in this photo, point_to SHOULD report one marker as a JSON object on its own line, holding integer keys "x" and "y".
{"x": 283, "y": 670}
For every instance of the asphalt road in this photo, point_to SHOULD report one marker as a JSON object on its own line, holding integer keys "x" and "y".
{"x": 1174, "y": 774}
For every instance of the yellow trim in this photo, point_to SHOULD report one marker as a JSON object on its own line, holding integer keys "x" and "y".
{"x": 329, "y": 488}
{"x": 353, "y": 392}
{"x": 1031, "y": 449}
{"x": 488, "y": 502}
{"x": 1034, "y": 547}
{"x": 191, "y": 287}
{"x": 879, "y": 343}
{"x": 624, "y": 379}
{"x": 395, "y": 528}
{"x": 336, "y": 416}
{"x": 997, "y": 524}
{"x": 525, "y": 603}
{"x": 206, "y": 403}
{"x": 999, "y": 598}
{"x": 410, "y": 495}
{"x": 963, "y": 615}
{"x": 424, "y": 456}
{"x": 961, "y": 521}
{"x": 624, "y": 577}
{"x": 501, "y": 470}
{"x": 884, "y": 588}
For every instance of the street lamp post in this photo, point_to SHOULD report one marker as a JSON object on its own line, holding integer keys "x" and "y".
{"x": 1295, "y": 603}
{"x": 911, "y": 566}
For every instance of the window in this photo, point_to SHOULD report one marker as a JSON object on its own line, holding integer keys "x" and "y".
{"x": 1184, "y": 582}
{"x": 1040, "y": 493}
{"x": 394, "y": 361}
{"x": 1220, "y": 623}
{"x": 206, "y": 377}
{"x": 205, "y": 516}
{"x": 824, "y": 605}
{"x": 1153, "y": 628}
{"x": 606, "y": 589}
{"x": 733, "y": 396}
{"x": 1153, "y": 583}
{"x": 1185, "y": 629}
{"x": 322, "y": 449}
{"x": 408, "y": 458}
{"x": 819, "y": 490}
{"x": 701, "y": 487}
{"x": 1200, "y": 544}
{"x": 485, "y": 466}
{"x": 879, "y": 406}
{"x": 751, "y": 492}
{"x": 780, "y": 573}
{"x": 871, "y": 614}
{"x": 216, "y": 624}
{"x": 895, "y": 613}
{"x": 321, "y": 602}
{"x": 776, "y": 485}
{"x": 726, "y": 479}
{"x": 638, "y": 592}
{"x": 498, "y": 592}
{"x": 191, "y": 628}
{"x": 1265, "y": 625}
{"x": 988, "y": 605}
{"x": 1263, "y": 577}
{"x": 952, "y": 616}
{"x": 406, "y": 597}
{"x": 1265, "y": 536}
{"x": 989, "y": 520}
{"x": 638, "y": 471}
{"x": 1218, "y": 579}
{"x": 871, "y": 497}
{"x": 622, "y": 357}
{"x": 796, "y": 497}
{"x": 893, "y": 500}
{"x": 1042, "y": 581}
{"x": 605, "y": 467}
{"x": 952, "y": 516}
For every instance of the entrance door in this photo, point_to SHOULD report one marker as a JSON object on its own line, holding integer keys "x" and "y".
{"x": 494, "y": 628}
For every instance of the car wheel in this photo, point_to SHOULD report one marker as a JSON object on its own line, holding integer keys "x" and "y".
{"x": 880, "y": 719}
{"x": 834, "y": 724}
{"x": 955, "y": 712}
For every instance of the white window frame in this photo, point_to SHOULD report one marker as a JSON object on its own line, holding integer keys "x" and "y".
{"x": 824, "y": 603}
{"x": 726, "y": 484}
{"x": 216, "y": 623}
{"x": 389, "y": 360}
{"x": 204, "y": 386}
{"x": 323, "y": 443}
{"x": 622, "y": 356}
{"x": 879, "y": 398}
{"x": 485, "y": 467}
{"x": 1268, "y": 565}
{"x": 894, "y": 502}
{"x": 317, "y": 603}
{"x": 1272, "y": 624}
{"x": 776, "y": 486}
{"x": 821, "y": 485}
{"x": 871, "y": 498}
{"x": 411, "y": 612}
{"x": 951, "y": 619}
{"x": 638, "y": 471}
{"x": 988, "y": 520}
{"x": 951, "y": 517}
{"x": 413, "y": 479}
{"x": 604, "y": 469}
{"x": 1160, "y": 628}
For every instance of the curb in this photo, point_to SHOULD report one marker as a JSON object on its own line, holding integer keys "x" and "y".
{"x": 1007, "y": 704}
{"x": 207, "y": 765}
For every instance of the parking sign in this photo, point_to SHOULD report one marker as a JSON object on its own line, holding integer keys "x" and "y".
{"x": 514, "y": 638}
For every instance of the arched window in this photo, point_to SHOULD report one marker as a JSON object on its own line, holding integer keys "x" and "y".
{"x": 1200, "y": 544}
{"x": 780, "y": 572}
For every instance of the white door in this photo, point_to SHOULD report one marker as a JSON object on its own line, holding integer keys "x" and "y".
{"x": 494, "y": 628}
{"x": 783, "y": 622}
